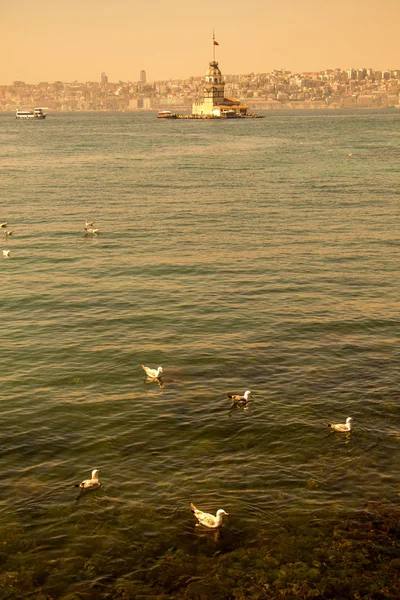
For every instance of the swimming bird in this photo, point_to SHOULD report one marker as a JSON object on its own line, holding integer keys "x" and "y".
{"x": 91, "y": 230}
{"x": 206, "y": 519}
{"x": 342, "y": 426}
{"x": 89, "y": 224}
{"x": 9, "y": 232}
{"x": 6, "y": 253}
{"x": 90, "y": 484}
{"x": 3, "y": 225}
{"x": 153, "y": 373}
{"x": 243, "y": 398}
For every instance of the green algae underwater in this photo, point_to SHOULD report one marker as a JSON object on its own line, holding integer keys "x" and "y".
{"x": 348, "y": 557}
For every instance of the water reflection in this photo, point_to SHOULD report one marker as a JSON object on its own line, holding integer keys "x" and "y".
{"x": 156, "y": 380}
{"x": 204, "y": 533}
{"x": 239, "y": 407}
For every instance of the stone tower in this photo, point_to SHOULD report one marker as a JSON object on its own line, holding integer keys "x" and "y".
{"x": 214, "y": 89}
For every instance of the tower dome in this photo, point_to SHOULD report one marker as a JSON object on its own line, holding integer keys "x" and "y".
{"x": 214, "y": 74}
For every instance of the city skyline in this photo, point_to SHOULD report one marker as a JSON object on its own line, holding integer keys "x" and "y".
{"x": 104, "y": 79}
{"x": 77, "y": 41}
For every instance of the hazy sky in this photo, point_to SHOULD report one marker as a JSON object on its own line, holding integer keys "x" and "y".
{"x": 78, "y": 39}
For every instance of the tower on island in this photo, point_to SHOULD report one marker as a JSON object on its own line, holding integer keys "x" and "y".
{"x": 214, "y": 102}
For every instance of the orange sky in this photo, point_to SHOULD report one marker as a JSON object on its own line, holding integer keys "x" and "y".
{"x": 78, "y": 39}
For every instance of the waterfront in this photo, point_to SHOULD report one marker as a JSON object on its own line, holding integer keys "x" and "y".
{"x": 255, "y": 254}
{"x": 333, "y": 89}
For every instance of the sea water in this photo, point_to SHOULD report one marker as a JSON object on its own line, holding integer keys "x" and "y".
{"x": 258, "y": 254}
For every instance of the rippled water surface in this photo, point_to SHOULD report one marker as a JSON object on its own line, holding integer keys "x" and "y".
{"x": 255, "y": 254}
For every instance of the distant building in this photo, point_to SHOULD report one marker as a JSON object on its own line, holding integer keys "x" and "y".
{"x": 140, "y": 104}
{"x": 136, "y": 103}
{"x": 365, "y": 100}
{"x": 104, "y": 80}
{"x": 142, "y": 76}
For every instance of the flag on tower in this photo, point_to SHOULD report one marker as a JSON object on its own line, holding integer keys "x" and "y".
{"x": 216, "y": 43}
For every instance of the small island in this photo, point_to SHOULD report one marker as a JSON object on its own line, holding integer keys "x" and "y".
{"x": 214, "y": 105}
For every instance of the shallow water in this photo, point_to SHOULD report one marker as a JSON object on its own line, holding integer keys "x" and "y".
{"x": 255, "y": 254}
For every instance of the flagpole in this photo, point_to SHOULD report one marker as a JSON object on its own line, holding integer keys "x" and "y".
{"x": 213, "y": 46}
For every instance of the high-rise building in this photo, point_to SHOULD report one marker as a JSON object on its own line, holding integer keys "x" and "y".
{"x": 104, "y": 79}
{"x": 142, "y": 76}
{"x": 351, "y": 73}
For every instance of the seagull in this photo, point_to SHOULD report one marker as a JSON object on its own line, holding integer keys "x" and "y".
{"x": 3, "y": 225}
{"x": 153, "y": 373}
{"x": 91, "y": 230}
{"x": 243, "y": 398}
{"x": 9, "y": 232}
{"x": 89, "y": 224}
{"x": 207, "y": 519}
{"x": 6, "y": 253}
{"x": 90, "y": 484}
{"x": 342, "y": 426}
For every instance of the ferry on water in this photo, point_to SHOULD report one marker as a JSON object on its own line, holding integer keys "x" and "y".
{"x": 167, "y": 114}
{"x": 36, "y": 113}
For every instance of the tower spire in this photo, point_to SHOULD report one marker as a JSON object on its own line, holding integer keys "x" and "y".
{"x": 214, "y": 44}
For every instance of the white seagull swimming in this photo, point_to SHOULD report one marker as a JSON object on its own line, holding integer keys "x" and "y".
{"x": 90, "y": 484}
{"x": 3, "y": 225}
{"x": 91, "y": 230}
{"x": 153, "y": 373}
{"x": 9, "y": 232}
{"x": 342, "y": 426}
{"x": 6, "y": 253}
{"x": 89, "y": 224}
{"x": 236, "y": 398}
{"x": 206, "y": 519}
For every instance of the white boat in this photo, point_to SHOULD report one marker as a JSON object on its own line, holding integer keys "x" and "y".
{"x": 167, "y": 114}
{"x": 36, "y": 113}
